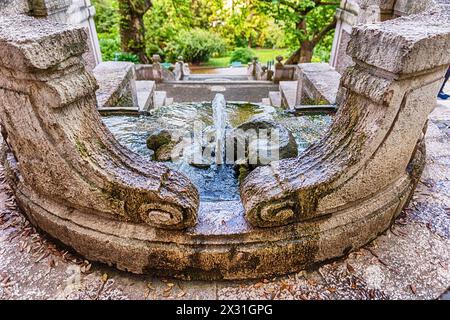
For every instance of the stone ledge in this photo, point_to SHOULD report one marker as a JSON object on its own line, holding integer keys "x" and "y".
{"x": 29, "y": 43}
{"x": 320, "y": 82}
{"x": 117, "y": 86}
{"x": 405, "y": 45}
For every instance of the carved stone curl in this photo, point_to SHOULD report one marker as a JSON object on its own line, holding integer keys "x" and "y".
{"x": 386, "y": 98}
{"x": 62, "y": 151}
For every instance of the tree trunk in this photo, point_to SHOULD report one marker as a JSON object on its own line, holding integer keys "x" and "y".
{"x": 306, "y": 51}
{"x": 302, "y": 55}
{"x": 132, "y": 29}
{"x": 299, "y": 54}
{"x": 294, "y": 58}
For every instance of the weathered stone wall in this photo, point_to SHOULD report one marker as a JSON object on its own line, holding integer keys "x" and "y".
{"x": 319, "y": 83}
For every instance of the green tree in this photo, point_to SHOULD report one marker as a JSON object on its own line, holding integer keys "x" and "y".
{"x": 169, "y": 18}
{"x": 107, "y": 24}
{"x": 163, "y": 22}
{"x": 196, "y": 45}
{"x": 309, "y": 21}
{"x": 247, "y": 24}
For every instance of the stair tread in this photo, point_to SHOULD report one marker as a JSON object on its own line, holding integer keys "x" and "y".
{"x": 145, "y": 85}
{"x": 169, "y": 101}
{"x": 160, "y": 98}
{"x": 145, "y": 91}
{"x": 288, "y": 91}
{"x": 275, "y": 98}
{"x": 266, "y": 101}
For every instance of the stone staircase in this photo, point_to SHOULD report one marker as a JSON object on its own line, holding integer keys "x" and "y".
{"x": 160, "y": 99}
{"x": 288, "y": 91}
{"x": 319, "y": 84}
{"x": 149, "y": 97}
{"x": 275, "y": 98}
{"x": 145, "y": 91}
{"x": 285, "y": 97}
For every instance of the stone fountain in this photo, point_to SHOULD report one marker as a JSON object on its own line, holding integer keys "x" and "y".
{"x": 77, "y": 183}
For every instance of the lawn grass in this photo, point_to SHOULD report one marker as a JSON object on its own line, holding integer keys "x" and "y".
{"x": 263, "y": 55}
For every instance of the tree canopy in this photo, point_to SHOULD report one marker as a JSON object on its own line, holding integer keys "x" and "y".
{"x": 144, "y": 27}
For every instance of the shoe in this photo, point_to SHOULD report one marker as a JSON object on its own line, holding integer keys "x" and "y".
{"x": 443, "y": 96}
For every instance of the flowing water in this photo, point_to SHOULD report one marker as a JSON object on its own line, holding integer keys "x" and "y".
{"x": 217, "y": 182}
{"x": 219, "y": 106}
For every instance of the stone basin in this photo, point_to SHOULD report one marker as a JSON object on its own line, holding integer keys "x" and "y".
{"x": 73, "y": 179}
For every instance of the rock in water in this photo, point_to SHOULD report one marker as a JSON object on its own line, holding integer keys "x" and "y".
{"x": 260, "y": 141}
{"x": 158, "y": 139}
{"x": 164, "y": 153}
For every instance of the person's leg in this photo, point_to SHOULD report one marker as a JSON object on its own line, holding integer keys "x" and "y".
{"x": 441, "y": 94}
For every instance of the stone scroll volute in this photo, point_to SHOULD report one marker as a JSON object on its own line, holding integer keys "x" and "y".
{"x": 375, "y": 140}
{"x": 61, "y": 149}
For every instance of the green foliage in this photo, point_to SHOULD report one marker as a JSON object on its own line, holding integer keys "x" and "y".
{"x": 263, "y": 55}
{"x": 248, "y": 23}
{"x": 107, "y": 24}
{"x": 289, "y": 14}
{"x": 247, "y": 27}
{"x": 276, "y": 37}
{"x": 196, "y": 45}
{"x": 124, "y": 56}
{"x": 107, "y": 17}
{"x": 243, "y": 55}
{"x": 322, "y": 51}
{"x": 109, "y": 46}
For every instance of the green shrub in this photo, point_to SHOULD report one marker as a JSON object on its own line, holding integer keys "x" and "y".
{"x": 109, "y": 46}
{"x": 124, "y": 56}
{"x": 107, "y": 24}
{"x": 195, "y": 46}
{"x": 243, "y": 55}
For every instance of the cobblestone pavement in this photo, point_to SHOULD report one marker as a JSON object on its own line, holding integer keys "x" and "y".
{"x": 409, "y": 261}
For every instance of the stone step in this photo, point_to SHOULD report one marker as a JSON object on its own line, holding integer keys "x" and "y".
{"x": 266, "y": 101}
{"x": 288, "y": 90}
{"x": 145, "y": 91}
{"x": 118, "y": 110}
{"x": 275, "y": 98}
{"x": 159, "y": 98}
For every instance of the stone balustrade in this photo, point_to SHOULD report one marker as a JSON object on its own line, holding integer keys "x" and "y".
{"x": 117, "y": 85}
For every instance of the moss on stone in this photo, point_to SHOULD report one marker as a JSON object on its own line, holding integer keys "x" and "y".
{"x": 82, "y": 150}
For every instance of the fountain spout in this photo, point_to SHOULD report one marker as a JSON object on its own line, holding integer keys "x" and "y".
{"x": 220, "y": 122}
